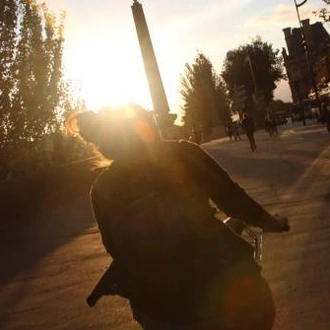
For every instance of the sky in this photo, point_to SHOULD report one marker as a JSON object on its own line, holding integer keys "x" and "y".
{"x": 103, "y": 61}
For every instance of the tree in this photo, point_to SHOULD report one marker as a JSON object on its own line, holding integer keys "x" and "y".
{"x": 222, "y": 108}
{"x": 204, "y": 97}
{"x": 38, "y": 62}
{"x": 282, "y": 109}
{"x": 33, "y": 93}
{"x": 8, "y": 37}
{"x": 324, "y": 12}
{"x": 256, "y": 67}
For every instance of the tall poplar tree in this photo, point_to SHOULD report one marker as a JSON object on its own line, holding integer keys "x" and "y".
{"x": 204, "y": 97}
{"x": 8, "y": 38}
{"x": 39, "y": 65}
{"x": 32, "y": 89}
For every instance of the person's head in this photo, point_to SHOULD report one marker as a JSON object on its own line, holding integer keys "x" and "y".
{"x": 121, "y": 133}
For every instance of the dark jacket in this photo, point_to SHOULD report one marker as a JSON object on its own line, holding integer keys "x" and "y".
{"x": 157, "y": 224}
{"x": 248, "y": 125}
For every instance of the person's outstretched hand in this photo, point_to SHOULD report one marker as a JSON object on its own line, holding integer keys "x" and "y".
{"x": 275, "y": 223}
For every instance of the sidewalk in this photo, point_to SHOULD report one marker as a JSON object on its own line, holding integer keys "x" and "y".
{"x": 290, "y": 175}
{"x": 261, "y": 134}
{"x": 45, "y": 280}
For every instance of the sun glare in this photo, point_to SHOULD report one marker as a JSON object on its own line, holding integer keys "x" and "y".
{"x": 105, "y": 77}
{"x": 100, "y": 90}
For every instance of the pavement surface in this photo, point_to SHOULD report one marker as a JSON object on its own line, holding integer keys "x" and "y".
{"x": 49, "y": 267}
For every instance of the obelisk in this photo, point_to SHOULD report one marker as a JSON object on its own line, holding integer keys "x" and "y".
{"x": 156, "y": 87}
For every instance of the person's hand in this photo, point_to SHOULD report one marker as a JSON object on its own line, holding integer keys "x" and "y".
{"x": 275, "y": 223}
{"x": 283, "y": 222}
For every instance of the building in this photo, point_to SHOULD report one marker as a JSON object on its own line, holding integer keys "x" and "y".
{"x": 307, "y": 60}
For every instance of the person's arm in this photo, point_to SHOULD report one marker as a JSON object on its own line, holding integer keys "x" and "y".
{"x": 227, "y": 194}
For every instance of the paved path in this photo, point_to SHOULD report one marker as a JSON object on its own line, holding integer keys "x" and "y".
{"x": 48, "y": 269}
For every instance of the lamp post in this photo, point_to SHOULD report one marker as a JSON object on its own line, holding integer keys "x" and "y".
{"x": 297, "y": 10}
{"x": 309, "y": 62}
{"x": 257, "y": 95}
{"x": 254, "y": 82}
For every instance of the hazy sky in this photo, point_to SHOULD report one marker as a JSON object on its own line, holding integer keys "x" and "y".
{"x": 102, "y": 55}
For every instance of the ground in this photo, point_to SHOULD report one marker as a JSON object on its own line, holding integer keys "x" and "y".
{"x": 50, "y": 265}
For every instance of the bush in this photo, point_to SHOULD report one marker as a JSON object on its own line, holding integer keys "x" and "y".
{"x": 24, "y": 199}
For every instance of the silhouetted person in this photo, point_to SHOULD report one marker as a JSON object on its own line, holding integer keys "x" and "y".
{"x": 172, "y": 258}
{"x": 327, "y": 117}
{"x": 271, "y": 124}
{"x": 229, "y": 129}
{"x": 249, "y": 129}
{"x": 236, "y": 130}
{"x": 268, "y": 124}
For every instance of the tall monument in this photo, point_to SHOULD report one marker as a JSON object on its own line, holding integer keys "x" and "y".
{"x": 158, "y": 96}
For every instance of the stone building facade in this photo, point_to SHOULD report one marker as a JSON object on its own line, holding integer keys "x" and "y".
{"x": 301, "y": 71}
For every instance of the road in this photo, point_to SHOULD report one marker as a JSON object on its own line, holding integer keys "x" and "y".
{"x": 50, "y": 267}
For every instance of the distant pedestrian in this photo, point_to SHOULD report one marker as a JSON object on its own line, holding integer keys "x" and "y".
{"x": 195, "y": 136}
{"x": 327, "y": 118}
{"x": 229, "y": 129}
{"x": 237, "y": 130}
{"x": 322, "y": 112}
{"x": 249, "y": 129}
{"x": 273, "y": 124}
{"x": 268, "y": 124}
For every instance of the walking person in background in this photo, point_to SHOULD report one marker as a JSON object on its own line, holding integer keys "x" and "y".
{"x": 268, "y": 124}
{"x": 273, "y": 123}
{"x": 236, "y": 130}
{"x": 229, "y": 129}
{"x": 248, "y": 127}
{"x": 327, "y": 117}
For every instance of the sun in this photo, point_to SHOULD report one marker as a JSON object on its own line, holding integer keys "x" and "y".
{"x": 99, "y": 90}
{"x": 111, "y": 78}
{"x": 114, "y": 85}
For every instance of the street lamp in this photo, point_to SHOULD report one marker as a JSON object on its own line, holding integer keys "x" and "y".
{"x": 309, "y": 62}
{"x": 254, "y": 82}
{"x": 297, "y": 10}
{"x": 258, "y": 98}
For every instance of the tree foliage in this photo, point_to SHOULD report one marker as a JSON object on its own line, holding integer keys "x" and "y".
{"x": 38, "y": 71}
{"x": 257, "y": 67}
{"x": 203, "y": 93}
{"x": 280, "y": 106}
{"x": 33, "y": 93}
{"x": 8, "y": 38}
{"x": 324, "y": 12}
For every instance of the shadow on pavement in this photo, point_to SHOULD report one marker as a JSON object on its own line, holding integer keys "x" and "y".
{"x": 274, "y": 161}
{"x": 65, "y": 213}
